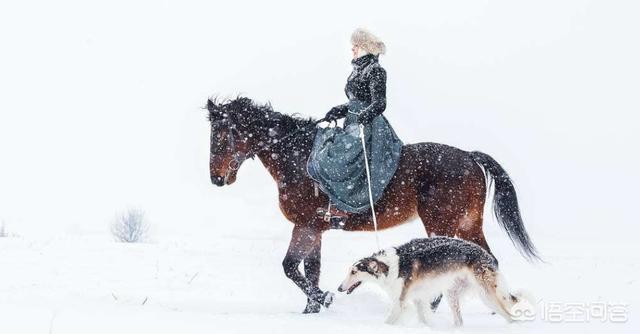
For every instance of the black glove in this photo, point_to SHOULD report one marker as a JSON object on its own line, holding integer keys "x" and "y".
{"x": 334, "y": 114}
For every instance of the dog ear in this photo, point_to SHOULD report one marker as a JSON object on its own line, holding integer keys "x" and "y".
{"x": 373, "y": 266}
{"x": 383, "y": 268}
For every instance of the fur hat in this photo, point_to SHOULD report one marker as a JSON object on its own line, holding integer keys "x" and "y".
{"x": 364, "y": 39}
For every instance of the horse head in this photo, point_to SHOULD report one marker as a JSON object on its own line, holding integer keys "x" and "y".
{"x": 236, "y": 128}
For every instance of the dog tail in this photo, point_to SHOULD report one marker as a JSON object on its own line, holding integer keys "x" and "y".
{"x": 496, "y": 295}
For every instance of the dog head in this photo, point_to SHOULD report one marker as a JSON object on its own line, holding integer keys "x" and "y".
{"x": 367, "y": 269}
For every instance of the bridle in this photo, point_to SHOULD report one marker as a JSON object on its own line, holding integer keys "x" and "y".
{"x": 237, "y": 158}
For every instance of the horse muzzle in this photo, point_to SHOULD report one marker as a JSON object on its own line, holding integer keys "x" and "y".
{"x": 218, "y": 180}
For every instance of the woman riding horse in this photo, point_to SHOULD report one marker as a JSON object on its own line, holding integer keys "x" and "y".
{"x": 337, "y": 162}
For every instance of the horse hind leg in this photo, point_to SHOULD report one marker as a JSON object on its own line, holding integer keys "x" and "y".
{"x": 470, "y": 221}
{"x": 470, "y": 229}
{"x": 437, "y": 211}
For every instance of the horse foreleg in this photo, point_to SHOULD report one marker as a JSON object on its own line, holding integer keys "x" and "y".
{"x": 312, "y": 273}
{"x": 302, "y": 243}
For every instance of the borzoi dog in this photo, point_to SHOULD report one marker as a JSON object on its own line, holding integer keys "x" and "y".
{"x": 422, "y": 270}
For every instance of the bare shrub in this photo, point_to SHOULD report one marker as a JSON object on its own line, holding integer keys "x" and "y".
{"x": 130, "y": 227}
{"x": 3, "y": 230}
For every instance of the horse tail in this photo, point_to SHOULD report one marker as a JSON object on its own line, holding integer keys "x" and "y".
{"x": 505, "y": 205}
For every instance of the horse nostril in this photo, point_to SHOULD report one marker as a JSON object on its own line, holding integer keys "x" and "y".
{"x": 217, "y": 180}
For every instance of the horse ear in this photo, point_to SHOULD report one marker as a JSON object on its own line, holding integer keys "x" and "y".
{"x": 210, "y": 105}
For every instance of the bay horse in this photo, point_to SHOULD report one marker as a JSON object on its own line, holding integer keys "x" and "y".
{"x": 442, "y": 185}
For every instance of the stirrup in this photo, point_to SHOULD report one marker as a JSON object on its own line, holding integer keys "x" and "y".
{"x": 337, "y": 222}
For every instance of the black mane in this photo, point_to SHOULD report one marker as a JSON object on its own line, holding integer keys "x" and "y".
{"x": 244, "y": 112}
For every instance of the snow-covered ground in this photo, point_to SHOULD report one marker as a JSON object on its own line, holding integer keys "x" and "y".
{"x": 233, "y": 283}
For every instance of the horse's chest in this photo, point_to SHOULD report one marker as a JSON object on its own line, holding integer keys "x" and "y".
{"x": 296, "y": 198}
{"x": 298, "y": 202}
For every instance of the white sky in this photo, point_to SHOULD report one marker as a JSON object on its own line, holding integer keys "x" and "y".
{"x": 100, "y": 101}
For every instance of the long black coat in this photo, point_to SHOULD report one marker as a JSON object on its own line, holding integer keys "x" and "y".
{"x": 337, "y": 161}
{"x": 367, "y": 83}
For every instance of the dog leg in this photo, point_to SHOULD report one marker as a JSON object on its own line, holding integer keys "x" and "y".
{"x": 422, "y": 311}
{"x": 399, "y": 307}
{"x": 397, "y": 310}
{"x": 453, "y": 297}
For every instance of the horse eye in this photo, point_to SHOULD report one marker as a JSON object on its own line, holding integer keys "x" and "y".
{"x": 353, "y": 272}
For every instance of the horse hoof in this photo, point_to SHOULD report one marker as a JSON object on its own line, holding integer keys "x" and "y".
{"x": 312, "y": 307}
{"x": 327, "y": 299}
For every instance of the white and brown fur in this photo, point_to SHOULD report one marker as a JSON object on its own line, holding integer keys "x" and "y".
{"x": 423, "y": 269}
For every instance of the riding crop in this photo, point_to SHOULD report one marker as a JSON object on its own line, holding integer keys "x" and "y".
{"x": 366, "y": 164}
